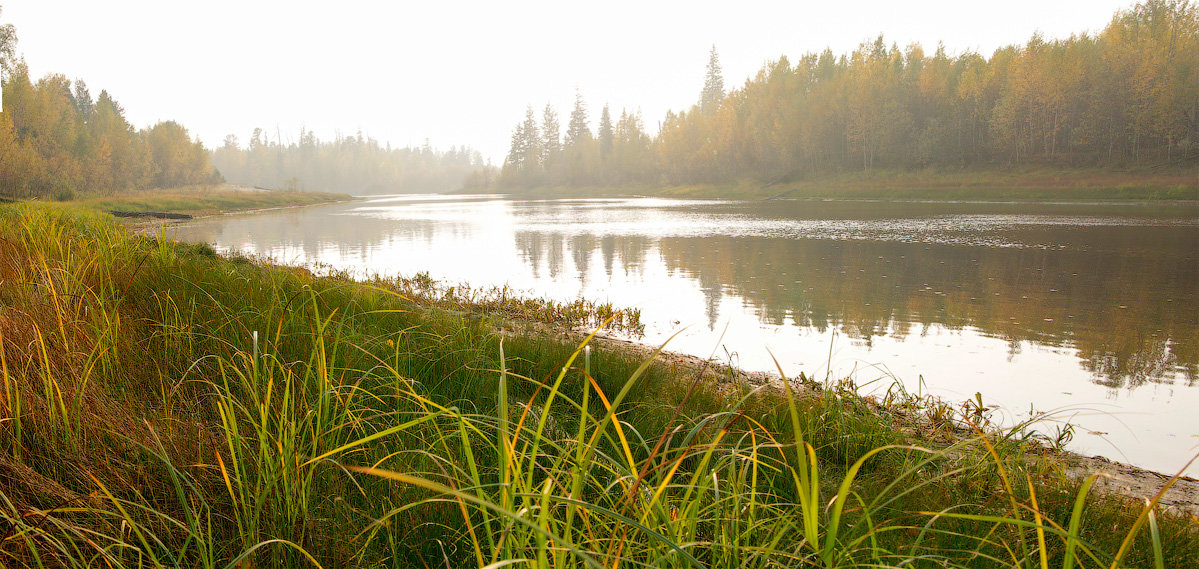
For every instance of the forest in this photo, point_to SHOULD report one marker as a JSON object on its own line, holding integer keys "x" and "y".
{"x": 1127, "y": 96}
{"x": 57, "y": 142}
{"x": 351, "y": 164}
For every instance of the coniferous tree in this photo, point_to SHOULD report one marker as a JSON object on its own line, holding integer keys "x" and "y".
{"x": 514, "y": 164}
{"x": 83, "y": 101}
{"x": 349, "y": 164}
{"x": 85, "y": 147}
{"x": 606, "y": 136}
{"x": 713, "y": 92}
{"x": 532, "y": 143}
{"x": 1125, "y": 97}
{"x": 525, "y": 154}
{"x": 577, "y": 131}
{"x": 631, "y": 158}
{"x": 551, "y": 142}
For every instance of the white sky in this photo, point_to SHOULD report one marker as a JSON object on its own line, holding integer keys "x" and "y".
{"x": 462, "y": 72}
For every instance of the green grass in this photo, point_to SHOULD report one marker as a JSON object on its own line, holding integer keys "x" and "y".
{"x": 995, "y": 184}
{"x": 164, "y": 407}
{"x": 502, "y": 302}
{"x": 203, "y": 200}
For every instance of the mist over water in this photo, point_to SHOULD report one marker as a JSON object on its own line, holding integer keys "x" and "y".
{"x": 1090, "y": 311}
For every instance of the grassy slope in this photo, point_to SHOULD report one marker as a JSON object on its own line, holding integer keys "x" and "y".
{"x": 203, "y": 200}
{"x": 163, "y": 406}
{"x": 995, "y": 184}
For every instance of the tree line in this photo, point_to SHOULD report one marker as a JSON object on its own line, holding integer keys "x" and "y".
{"x": 56, "y": 140}
{"x": 1128, "y": 95}
{"x": 350, "y": 164}
{"x": 619, "y": 152}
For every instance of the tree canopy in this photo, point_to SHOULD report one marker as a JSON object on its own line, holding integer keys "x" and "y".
{"x": 1128, "y": 95}
{"x": 713, "y": 92}
{"x": 351, "y": 164}
{"x": 55, "y": 142}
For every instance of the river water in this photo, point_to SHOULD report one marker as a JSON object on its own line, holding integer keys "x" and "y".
{"x": 1088, "y": 312}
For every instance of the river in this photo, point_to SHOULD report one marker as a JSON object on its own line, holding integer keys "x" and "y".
{"x": 1087, "y": 312}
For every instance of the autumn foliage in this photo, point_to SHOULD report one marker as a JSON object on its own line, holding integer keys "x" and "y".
{"x": 56, "y": 142}
{"x": 1127, "y": 96}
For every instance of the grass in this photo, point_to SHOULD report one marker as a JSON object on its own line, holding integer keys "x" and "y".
{"x": 990, "y": 184}
{"x": 164, "y": 407}
{"x": 504, "y": 303}
{"x": 206, "y": 200}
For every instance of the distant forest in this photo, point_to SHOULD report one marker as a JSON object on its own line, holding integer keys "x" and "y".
{"x": 1128, "y": 96}
{"x": 55, "y": 141}
{"x": 350, "y": 164}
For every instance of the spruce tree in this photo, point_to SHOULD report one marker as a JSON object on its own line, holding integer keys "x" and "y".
{"x": 532, "y": 145}
{"x": 577, "y": 131}
{"x": 517, "y": 150}
{"x": 82, "y": 98}
{"x": 605, "y": 131}
{"x": 713, "y": 93}
{"x": 550, "y": 132}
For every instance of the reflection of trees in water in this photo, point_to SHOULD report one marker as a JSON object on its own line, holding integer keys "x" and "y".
{"x": 1145, "y": 359}
{"x": 555, "y": 257}
{"x": 581, "y": 248}
{"x": 531, "y": 250}
{"x": 711, "y": 285}
{"x": 625, "y": 251}
{"x": 1123, "y": 297}
{"x": 553, "y": 250}
{"x": 1125, "y": 303}
{"x": 314, "y": 231}
{"x": 608, "y": 253}
{"x": 1113, "y": 300}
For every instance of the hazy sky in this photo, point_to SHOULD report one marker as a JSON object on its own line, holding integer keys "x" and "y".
{"x": 461, "y": 72}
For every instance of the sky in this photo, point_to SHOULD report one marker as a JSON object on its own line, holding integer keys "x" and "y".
{"x": 463, "y": 72}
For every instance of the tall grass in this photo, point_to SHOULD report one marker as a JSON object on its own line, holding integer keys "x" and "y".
{"x": 166, "y": 407}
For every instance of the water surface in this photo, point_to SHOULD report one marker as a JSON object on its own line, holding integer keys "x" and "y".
{"x": 1086, "y": 310}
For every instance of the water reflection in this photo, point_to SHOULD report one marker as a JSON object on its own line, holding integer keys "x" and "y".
{"x": 1121, "y": 295}
{"x": 1126, "y": 303}
{"x": 1021, "y": 302}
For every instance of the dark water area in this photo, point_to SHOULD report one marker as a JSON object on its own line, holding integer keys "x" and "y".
{"x": 1087, "y": 311}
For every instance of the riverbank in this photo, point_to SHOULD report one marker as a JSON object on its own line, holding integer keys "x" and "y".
{"x": 199, "y": 201}
{"x": 1000, "y": 184}
{"x": 165, "y": 405}
{"x": 925, "y": 419}
{"x": 573, "y": 323}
